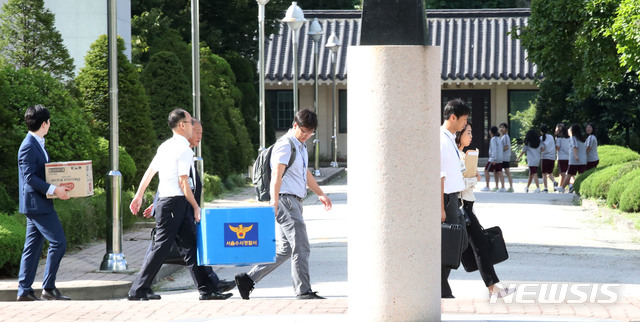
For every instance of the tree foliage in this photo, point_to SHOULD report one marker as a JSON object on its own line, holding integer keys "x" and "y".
{"x": 69, "y": 138}
{"x": 626, "y": 33}
{"x": 136, "y": 131}
{"x": 167, "y": 88}
{"x": 29, "y": 39}
{"x": 574, "y": 44}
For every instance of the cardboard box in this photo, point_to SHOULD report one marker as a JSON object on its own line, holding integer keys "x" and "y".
{"x": 236, "y": 236}
{"x": 77, "y": 175}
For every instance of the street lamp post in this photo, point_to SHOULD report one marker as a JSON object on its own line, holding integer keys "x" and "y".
{"x": 294, "y": 18}
{"x": 333, "y": 43}
{"x": 114, "y": 259}
{"x": 263, "y": 120}
{"x": 315, "y": 31}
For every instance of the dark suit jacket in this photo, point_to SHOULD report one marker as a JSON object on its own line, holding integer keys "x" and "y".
{"x": 31, "y": 179}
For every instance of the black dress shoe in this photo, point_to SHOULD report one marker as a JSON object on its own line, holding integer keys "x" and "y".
{"x": 137, "y": 298}
{"x": 448, "y": 297}
{"x": 215, "y": 296}
{"x": 245, "y": 285}
{"x": 28, "y": 297}
{"x": 153, "y": 296}
{"x": 54, "y": 294}
{"x": 226, "y": 286}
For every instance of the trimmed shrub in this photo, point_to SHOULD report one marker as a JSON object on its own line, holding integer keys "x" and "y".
{"x": 212, "y": 186}
{"x": 137, "y": 134}
{"x": 630, "y": 198}
{"x": 12, "y": 234}
{"x": 598, "y": 184}
{"x": 577, "y": 184}
{"x": 101, "y": 168}
{"x": 609, "y": 155}
{"x": 619, "y": 186}
{"x": 7, "y": 204}
{"x": 614, "y": 154}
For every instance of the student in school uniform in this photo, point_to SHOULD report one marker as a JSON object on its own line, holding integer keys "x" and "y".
{"x": 531, "y": 147}
{"x": 548, "y": 156}
{"x": 506, "y": 154}
{"x": 592, "y": 148}
{"x": 495, "y": 161}
{"x": 577, "y": 158}
{"x": 563, "y": 149}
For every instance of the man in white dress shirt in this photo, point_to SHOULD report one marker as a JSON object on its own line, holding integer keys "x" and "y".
{"x": 451, "y": 166}
{"x": 172, "y": 162}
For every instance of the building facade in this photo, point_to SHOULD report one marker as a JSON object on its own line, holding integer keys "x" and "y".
{"x": 481, "y": 63}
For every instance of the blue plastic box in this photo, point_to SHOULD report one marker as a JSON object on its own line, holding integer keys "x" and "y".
{"x": 236, "y": 236}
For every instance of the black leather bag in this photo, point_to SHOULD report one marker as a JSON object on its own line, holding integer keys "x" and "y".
{"x": 497, "y": 250}
{"x": 452, "y": 243}
{"x": 174, "y": 254}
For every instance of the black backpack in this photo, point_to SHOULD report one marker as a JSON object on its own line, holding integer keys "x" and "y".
{"x": 262, "y": 171}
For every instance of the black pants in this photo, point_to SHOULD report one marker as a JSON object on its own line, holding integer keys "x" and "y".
{"x": 451, "y": 206}
{"x": 480, "y": 247}
{"x": 208, "y": 269}
{"x": 172, "y": 223}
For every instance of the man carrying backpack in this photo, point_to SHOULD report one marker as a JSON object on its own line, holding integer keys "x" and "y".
{"x": 287, "y": 192}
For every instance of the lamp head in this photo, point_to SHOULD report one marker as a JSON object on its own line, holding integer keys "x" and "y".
{"x": 333, "y": 43}
{"x": 294, "y": 16}
{"x": 315, "y": 30}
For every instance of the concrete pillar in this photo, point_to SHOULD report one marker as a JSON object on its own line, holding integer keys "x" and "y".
{"x": 394, "y": 183}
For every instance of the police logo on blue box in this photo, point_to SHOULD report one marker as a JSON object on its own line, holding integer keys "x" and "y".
{"x": 243, "y": 234}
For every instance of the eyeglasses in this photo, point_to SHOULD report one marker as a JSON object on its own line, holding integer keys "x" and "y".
{"x": 189, "y": 122}
{"x": 306, "y": 132}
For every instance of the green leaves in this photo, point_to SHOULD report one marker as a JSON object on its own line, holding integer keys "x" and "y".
{"x": 28, "y": 39}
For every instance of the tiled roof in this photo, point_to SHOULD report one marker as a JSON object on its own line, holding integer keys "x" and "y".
{"x": 475, "y": 45}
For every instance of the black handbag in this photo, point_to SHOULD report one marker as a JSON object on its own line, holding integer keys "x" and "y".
{"x": 452, "y": 243}
{"x": 174, "y": 254}
{"x": 497, "y": 250}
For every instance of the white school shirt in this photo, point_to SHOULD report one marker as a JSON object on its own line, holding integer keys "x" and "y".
{"x": 173, "y": 159}
{"x": 533, "y": 155}
{"x": 450, "y": 167}
{"x": 549, "y": 152}
{"x": 564, "y": 149}
{"x": 506, "y": 154}
{"x": 582, "y": 152}
{"x": 295, "y": 180}
{"x": 495, "y": 150}
{"x": 592, "y": 142}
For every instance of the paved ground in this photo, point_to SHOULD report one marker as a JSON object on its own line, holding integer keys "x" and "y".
{"x": 553, "y": 245}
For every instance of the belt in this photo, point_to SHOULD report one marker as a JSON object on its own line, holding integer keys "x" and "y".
{"x": 291, "y": 195}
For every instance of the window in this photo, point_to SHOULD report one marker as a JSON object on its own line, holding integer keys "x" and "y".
{"x": 280, "y": 104}
{"x": 342, "y": 113}
{"x": 519, "y": 101}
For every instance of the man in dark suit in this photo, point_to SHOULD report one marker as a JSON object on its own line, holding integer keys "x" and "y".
{"x": 42, "y": 219}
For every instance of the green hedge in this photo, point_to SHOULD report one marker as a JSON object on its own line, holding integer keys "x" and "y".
{"x": 12, "y": 234}
{"x": 619, "y": 186}
{"x": 212, "y": 186}
{"x": 598, "y": 184}
{"x": 614, "y": 154}
{"x": 609, "y": 155}
{"x": 630, "y": 198}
